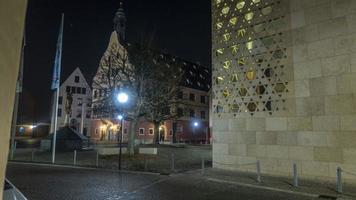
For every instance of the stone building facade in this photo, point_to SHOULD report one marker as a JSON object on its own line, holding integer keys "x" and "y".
{"x": 76, "y": 85}
{"x": 284, "y": 86}
{"x": 193, "y": 100}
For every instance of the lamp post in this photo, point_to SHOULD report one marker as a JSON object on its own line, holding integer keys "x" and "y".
{"x": 122, "y": 98}
{"x": 195, "y": 125}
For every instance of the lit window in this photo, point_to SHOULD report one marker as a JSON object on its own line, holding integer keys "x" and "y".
{"x": 240, "y": 5}
{"x": 227, "y": 64}
{"x": 241, "y": 32}
{"x": 219, "y": 25}
{"x": 249, "y": 45}
{"x": 227, "y": 37}
{"x": 234, "y": 78}
{"x": 234, "y": 48}
{"x": 226, "y": 93}
{"x": 251, "y": 74}
{"x": 249, "y": 16}
{"x": 219, "y": 80}
{"x": 225, "y": 10}
{"x": 233, "y": 20}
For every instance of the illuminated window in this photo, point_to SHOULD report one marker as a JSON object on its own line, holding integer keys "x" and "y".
{"x": 233, "y": 21}
{"x": 226, "y": 93}
{"x": 240, "y": 5}
{"x": 241, "y": 32}
{"x": 227, "y": 37}
{"x": 225, "y": 10}
{"x": 251, "y": 74}
{"x": 234, "y": 48}
{"x": 227, "y": 64}
{"x": 249, "y": 45}
{"x": 219, "y": 80}
{"x": 234, "y": 78}
{"x": 249, "y": 16}
{"x": 219, "y": 25}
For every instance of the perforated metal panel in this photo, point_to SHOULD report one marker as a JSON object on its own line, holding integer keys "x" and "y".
{"x": 251, "y": 68}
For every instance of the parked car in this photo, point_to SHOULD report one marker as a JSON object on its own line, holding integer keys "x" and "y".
{"x": 11, "y": 192}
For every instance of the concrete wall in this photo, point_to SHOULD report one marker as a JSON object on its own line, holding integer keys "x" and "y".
{"x": 311, "y": 118}
{"x": 12, "y": 17}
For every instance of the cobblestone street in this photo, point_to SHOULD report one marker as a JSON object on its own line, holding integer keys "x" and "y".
{"x": 46, "y": 182}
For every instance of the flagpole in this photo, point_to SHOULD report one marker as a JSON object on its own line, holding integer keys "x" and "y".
{"x": 56, "y": 82}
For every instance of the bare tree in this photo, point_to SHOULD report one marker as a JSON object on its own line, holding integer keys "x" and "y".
{"x": 161, "y": 89}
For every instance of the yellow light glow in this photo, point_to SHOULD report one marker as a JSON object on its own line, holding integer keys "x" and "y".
{"x": 240, "y": 5}
{"x": 227, "y": 37}
{"x": 241, "y": 32}
{"x": 220, "y": 51}
{"x": 219, "y": 80}
{"x": 249, "y": 45}
{"x": 249, "y": 16}
{"x": 225, "y": 10}
{"x": 251, "y": 74}
{"x": 219, "y": 25}
{"x": 235, "y": 48}
{"x": 233, "y": 20}
{"x": 226, "y": 93}
{"x": 227, "y": 64}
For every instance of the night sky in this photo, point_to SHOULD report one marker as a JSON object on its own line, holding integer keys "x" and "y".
{"x": 180, "y": 27}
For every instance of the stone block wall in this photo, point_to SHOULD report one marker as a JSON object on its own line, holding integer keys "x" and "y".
{"x": 313, "y": 120}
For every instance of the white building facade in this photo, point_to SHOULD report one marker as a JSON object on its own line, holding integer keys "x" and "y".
{"x": 80, "y": 116}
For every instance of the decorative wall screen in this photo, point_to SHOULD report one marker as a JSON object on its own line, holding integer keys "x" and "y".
{"x": 250, "y": 59}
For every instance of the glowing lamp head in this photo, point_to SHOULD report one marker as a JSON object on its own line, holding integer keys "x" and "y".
{"x": 120, "y": 117}
{"x": 122, "y": 97}
{"x": 32, "y": 126}
{"x": 196, "y": 124}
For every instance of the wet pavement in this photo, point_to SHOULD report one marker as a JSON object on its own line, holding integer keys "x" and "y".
{"x": 48, "y": 182}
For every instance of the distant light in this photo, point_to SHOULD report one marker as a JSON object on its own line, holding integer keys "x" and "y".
{"x": 160, "y": 128}
{"x": 196, "y": 124}
{"x": 122, "y": 97}
{"x": 32, "y": 126}
{"x": 120, "y": 117}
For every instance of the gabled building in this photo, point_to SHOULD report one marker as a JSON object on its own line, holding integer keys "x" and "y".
{"x": 80, "y": 116}
{"x": 192, "y": 105}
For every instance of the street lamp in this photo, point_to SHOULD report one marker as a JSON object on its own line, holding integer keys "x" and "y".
{"x": 196, "y": 124}
{"x": 120, "y": 117}
{"x": 122, "y": 97}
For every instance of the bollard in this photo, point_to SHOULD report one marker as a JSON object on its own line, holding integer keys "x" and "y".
{"x": 75, "y": 158}
{"x": 258, "y": 171}
{"x": 146, "y": 163}
{"x": 97, "y": 159}
{"x": 32, "y": 155}
{"x": 338, "y": 180}
{"x": 172, "y": 160}
{"x": 295, "y": 175}
{"x": 202, "y": 165}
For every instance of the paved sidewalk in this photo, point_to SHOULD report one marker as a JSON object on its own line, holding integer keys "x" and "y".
{"x": 323, "y": 190}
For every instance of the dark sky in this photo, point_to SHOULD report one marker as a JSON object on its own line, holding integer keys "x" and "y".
{"x": 180, "y": 27}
